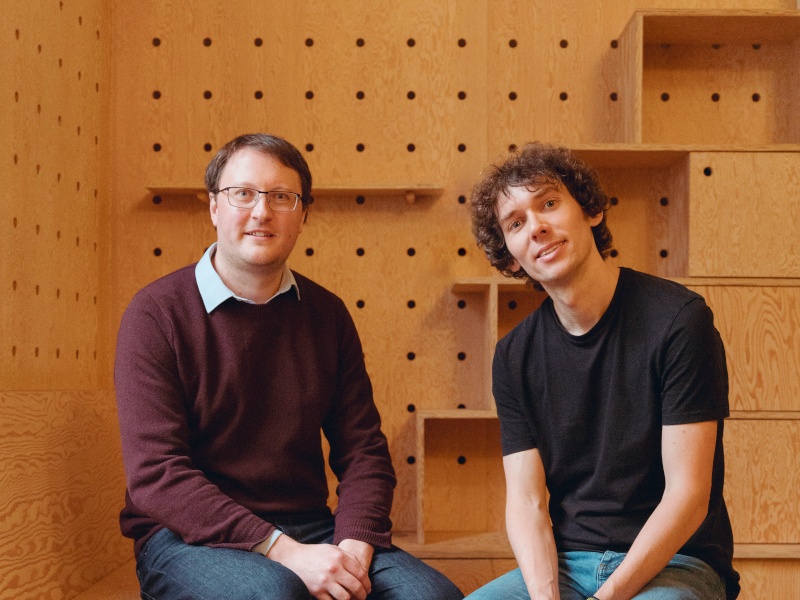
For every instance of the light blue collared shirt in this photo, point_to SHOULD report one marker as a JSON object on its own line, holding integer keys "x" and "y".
{"x": 214, "y": 292}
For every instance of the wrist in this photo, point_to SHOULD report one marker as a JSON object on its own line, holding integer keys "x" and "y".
{"x": 281, "y": 547}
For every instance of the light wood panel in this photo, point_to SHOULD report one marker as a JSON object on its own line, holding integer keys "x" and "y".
{"x": 62, "y": 489}
{"x": 762, "y": 478}
{"x": 744, "y": 215}
{"x": 762, "y": 579}
{"x": 760, "y": 327}
{"x": 55, "y": 176}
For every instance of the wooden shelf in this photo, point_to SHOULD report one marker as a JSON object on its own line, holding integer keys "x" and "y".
{"x": 720, "y": 26}
{"x": 410, "y": 192}
{"x": 459, "y": 413}
{"x": 478, "y": 284}
{"x": 457, "y": 544}
{"x": 494, "y": 544}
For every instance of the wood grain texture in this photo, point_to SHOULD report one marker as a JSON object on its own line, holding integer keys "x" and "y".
{"x": 753, "y": 234}
{"x": 760, "y": 327}
{"x": 762, "y": 579}
{"x": 762, "y": 478}
{"x": 55, "y": 172}
{"x": 62, "y": 488}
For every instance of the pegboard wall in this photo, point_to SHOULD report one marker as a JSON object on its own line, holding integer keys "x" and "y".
{"x": 418, "y": 94}
{"x": 54, "y": 230}
{"x": 107, "y": 102}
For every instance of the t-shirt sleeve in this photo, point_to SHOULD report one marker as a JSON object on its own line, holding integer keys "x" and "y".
{"x": 516, "y": 434}
{"x": 695, "y": 375}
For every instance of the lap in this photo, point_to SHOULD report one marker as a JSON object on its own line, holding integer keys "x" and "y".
{"x": 582, "y": 573}
{"x": 169, "y": 568}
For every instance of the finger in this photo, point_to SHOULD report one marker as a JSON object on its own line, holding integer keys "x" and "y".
{"x": 353, "y": 586}
{"x": 357, "y": 570}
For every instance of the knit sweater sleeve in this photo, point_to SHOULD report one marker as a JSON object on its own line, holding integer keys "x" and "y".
{"x": 161, "y": 479}
{"x": 359, "y": 453}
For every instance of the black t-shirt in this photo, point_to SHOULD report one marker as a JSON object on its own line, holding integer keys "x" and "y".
{"x": 594, "y": 405}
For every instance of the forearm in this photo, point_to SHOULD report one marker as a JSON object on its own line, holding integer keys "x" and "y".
{"x": 531, "y": 536}
{"x": 670, "y": 525}
{"x": 687, "y": 453}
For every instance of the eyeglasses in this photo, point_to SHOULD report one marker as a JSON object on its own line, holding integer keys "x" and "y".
{"x": 242, "y": 197}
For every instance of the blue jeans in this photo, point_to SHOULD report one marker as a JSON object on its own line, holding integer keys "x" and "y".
{"x": 580, "y": 574}
{"x": 169, "y": 569}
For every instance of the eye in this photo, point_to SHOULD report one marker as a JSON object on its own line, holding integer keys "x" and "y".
{"x": 514, "y": 225}
{"x": 280, "y": 196}
{"x": 244, "y": 193}
{"x": 551, "y": 203}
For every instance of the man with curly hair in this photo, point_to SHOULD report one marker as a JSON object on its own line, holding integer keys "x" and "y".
{"x": 611, "y": 398}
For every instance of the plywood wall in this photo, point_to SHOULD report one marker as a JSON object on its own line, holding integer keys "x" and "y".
{"x": 103, "y": 100}
{"x": 60, "y": 477}
{"x": 55, "y": 176}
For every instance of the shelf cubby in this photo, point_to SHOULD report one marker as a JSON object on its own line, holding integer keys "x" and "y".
{"x": 700, "y": 76}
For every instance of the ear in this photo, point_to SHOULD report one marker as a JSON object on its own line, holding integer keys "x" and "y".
{"x": 515, "y": 266}
{"x": 597, "y": 219}
{"x": 212, "y": 208}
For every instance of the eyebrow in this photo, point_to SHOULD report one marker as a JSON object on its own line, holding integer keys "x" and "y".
{"x": 536, "y": 191}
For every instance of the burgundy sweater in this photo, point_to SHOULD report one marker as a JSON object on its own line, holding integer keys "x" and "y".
{"x": 220, "y": 416}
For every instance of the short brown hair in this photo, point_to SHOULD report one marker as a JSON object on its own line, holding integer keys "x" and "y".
{"x": 272, "y": 145}
{"x": 534, "y": 163}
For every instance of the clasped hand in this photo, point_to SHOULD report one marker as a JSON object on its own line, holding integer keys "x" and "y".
{"x": 329, "y": 572}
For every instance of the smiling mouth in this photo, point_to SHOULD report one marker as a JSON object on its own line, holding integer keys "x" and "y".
{"x": 550, "y": 250}
{"x": 260, "y": 234}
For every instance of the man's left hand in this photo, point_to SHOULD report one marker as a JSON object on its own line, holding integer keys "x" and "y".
{"x": 361, "y": 551}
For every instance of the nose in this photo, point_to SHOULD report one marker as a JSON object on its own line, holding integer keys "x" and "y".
{"x": 262, "y": 209}
{"x": 536, "y": 224}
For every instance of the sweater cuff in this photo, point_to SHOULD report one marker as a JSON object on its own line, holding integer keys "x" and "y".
{"x": 363, "y": 531}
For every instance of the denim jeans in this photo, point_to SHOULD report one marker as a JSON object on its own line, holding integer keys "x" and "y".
{"x": 169, "y": 569}
{"x": 580, "y": 574}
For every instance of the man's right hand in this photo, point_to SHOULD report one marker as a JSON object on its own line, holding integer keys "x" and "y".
{"x": 328, "y": 571}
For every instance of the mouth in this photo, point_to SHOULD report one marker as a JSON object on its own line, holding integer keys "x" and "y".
{"x": 550, "y": 249}
{"x": 259, "y": 234}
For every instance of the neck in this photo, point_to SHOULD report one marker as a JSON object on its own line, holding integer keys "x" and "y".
{"x": 256, "y": 285}
{"x": 581, "y": 302}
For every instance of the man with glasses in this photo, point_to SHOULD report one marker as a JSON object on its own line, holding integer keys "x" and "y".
{"x": 226, "y": 372}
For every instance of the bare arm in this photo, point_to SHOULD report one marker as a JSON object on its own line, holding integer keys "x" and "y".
{"x": 528, "y": 522}
{"x": 687, "y": 453}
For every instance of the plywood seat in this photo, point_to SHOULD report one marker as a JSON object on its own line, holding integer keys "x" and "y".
{"x": 119, "y": 585}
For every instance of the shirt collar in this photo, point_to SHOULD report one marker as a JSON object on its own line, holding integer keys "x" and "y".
{"x": 214, "y": 292}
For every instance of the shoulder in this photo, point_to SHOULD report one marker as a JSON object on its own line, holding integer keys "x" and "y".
{"x": 650, "y": 287}
{"x": 312, "y": 291}
{"x": 658, "y": 300}
{"x": 177, "y": 290}
{"x": 319, "y": 302}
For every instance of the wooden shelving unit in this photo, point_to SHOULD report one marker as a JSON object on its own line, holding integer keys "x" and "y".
{"x": 677, "y": 185}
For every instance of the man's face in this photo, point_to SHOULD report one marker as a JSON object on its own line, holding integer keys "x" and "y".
{"x": 258, "y": 240}
{"x": 547, "y": 232}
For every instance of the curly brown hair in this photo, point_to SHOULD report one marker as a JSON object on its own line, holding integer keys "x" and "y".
{"x": 535, "y": 163}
